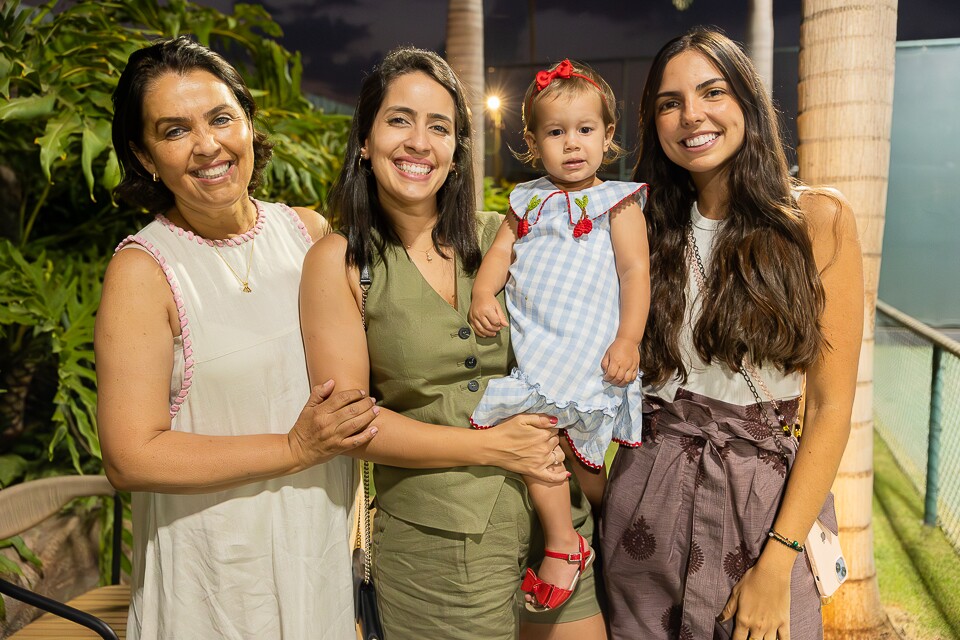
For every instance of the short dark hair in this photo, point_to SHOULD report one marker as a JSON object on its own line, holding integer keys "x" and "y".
{"x": 179, "y": 55}
{"x": 353, "y": 202}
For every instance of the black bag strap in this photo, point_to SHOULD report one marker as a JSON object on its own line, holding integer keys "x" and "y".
{"x": 365, "y": 282}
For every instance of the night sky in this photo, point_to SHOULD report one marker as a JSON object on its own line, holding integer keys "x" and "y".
{"x": 341, "y": 39}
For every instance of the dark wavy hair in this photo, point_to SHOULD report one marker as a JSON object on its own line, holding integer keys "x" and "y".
{"x": 179, "y": 55}
{"x": 569, "y": 87}
{"x": 764, "y": 296}
{"x": 353, "y": 202}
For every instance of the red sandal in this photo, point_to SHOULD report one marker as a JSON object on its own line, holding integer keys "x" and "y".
{"x": 549, "y": 596}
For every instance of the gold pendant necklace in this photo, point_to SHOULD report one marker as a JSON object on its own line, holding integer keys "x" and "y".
{"x": 245, "y": 281}
{"x": 426, "y": 253}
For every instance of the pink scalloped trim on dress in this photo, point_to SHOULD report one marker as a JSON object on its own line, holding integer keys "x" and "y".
{"x": 480, "y": 426}
{"x": 577, "y": 453}
{"x": 229, "y": 242}
{"x": 188, "y": 361}
{"x": 298, "y": 221}
{"x": 643, "y": 187}
{"x": 646, "y": 196}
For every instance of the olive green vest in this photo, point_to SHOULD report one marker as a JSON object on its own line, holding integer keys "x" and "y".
{"x": 427, "y": 364}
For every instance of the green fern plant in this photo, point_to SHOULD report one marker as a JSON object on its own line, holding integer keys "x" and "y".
{"x": 58, "y": 69}
{"x": 59, "y": 65}
{"x": 496, "y": 195}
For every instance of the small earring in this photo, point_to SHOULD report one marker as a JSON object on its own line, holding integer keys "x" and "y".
{"x": 156, "y": 178}
{"x": 360, "y": 160}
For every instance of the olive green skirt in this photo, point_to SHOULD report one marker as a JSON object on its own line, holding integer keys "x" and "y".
{"x": 435, "y": 584}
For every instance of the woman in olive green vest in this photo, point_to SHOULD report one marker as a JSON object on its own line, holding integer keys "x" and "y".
{"x": 454, "y": 529}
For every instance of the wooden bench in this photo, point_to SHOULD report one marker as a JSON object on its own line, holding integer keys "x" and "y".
{"x": 99, "y": 613}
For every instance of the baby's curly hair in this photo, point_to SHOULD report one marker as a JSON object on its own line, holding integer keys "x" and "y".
{"x": 590, "y": 82}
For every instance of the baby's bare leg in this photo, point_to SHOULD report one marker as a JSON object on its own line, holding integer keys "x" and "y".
{"x": 552, "y": 503}
{"x": 592, "y": 481}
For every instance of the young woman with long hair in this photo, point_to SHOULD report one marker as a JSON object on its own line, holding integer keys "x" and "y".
{"x": 756, "y": 288}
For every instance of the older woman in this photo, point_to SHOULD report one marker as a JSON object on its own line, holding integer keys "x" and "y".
{"x": 240, "y": 503}
{"x": 454, "y": 531}
{"x": 756, "y": 284}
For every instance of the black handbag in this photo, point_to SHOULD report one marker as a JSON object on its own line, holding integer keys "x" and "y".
{"x": 366, "y": 611}
{"x": 365, "y": 600}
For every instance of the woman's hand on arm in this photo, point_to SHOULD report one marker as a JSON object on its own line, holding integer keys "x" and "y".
{"x": 331, "y": 423}
{"x": 336, "y": 349}
{"x": 134, "y": 353}
{"x": 830, "y": 389}
{"x": 524, "y": 444}
{"x": 628, "y": 231}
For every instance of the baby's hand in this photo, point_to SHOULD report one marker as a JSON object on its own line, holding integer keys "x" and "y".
{"x": 621, "y": 362}
{"x": 486, "y": 317}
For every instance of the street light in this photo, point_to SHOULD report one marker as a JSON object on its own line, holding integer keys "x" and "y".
{"x": 493, "y": 106}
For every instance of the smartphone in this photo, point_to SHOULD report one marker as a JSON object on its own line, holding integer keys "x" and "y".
{"x": 826, "y": 559}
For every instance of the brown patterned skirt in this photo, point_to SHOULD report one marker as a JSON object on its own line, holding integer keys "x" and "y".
{"x": 686, "y": 514}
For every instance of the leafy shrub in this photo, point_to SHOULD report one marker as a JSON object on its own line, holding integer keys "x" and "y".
{"x": 58, "y": 223}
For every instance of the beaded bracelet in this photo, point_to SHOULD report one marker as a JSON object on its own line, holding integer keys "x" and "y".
{"x": 787, "y": 542}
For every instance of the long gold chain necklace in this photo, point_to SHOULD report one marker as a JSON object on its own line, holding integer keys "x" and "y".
{"x": 245, "y": 280}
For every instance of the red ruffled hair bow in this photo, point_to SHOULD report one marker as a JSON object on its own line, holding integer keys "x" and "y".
{"x": 545, "y": 77}
{"x": 565, "y": 71}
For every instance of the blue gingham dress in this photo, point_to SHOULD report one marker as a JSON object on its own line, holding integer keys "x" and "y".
{"x": 563, "y": 297}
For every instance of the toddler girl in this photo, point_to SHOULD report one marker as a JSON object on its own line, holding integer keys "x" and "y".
{"x": 572, "y": 254}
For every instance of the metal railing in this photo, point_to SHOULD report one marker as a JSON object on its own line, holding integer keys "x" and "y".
{"x": 917, "y": 410}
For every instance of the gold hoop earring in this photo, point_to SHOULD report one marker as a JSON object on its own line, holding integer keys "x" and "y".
{"x": 360, "y": 160}
{"x": 156, "y": 178}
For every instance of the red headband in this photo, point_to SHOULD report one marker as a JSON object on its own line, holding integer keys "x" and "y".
{"x": 563, "y": 71}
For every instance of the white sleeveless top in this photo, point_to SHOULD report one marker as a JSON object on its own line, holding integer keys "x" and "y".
{"x": 716, "y": 381}
{"x": 269, "y": 559}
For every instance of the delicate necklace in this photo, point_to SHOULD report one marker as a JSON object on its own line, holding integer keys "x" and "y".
{"x": 424, "y": 252}
{"x": 746, "y": 370}
{"x": 245, "y": 280}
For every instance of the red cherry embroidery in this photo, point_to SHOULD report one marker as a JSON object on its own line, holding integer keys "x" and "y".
{"x": 584, "y": 225}
{"x": 523, "y": 228}
{"x": 582, "y": 228}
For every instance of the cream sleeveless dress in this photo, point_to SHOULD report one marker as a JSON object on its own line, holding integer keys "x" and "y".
{"x": 267, "y": 560}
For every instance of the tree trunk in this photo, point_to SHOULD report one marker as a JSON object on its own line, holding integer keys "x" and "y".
{"x": 844, "y": 116}
{"x": 465, "y": 55}
{"x": 760, "y": 39}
